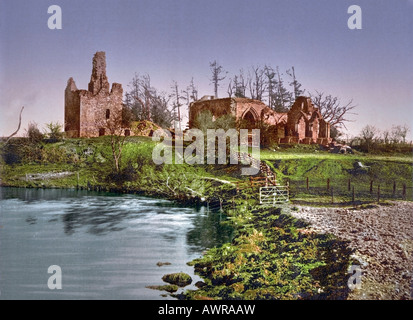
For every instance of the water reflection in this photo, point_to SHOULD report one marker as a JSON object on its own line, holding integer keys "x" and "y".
{"x": 107, "y": 244}
{"x": 98, "y": 220}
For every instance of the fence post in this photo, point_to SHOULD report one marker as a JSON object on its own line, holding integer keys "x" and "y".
{"x": 378, "y": 193}
{"x": 404, "y": 191}
{"x": 349, "y": 184}
{"x": 394, "y": 188}
{"x": 332, "y": 195}
{"x": 307, "y": 183}
{"x": 371, "y": 186}
{"x": 328, "y": 184}
{"x": 353, "y": 196}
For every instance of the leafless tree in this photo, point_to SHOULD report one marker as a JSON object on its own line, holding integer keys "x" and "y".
{"x": 238, "y": 85}
{"x": 230, "y": 88}
{"x": 33, "y": 133}
{"x": 270, "y": 84}
{"x": 257, "y": 83}
{"x": 177, "y": 98}
{"x": 386, "y": 135}
{"x": 368, "y": 135}
{"x": 191, "y": 92}
{"x": 282, "y": 98}
{"x": 332, "y": 110}
{"x": 146, "y": 103}
{"x": 295, "y": 84}
{"x": 399, "y": 133}
{"x": 18, "y": 127}
{"x": 116, "y": 128}
{"x": 218, "y": 74}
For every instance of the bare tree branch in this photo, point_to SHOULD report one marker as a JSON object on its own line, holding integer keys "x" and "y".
{"x": 332, "y": 110}
{"x": 18, "y": 128}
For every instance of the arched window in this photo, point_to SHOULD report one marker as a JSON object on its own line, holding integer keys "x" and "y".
{"x": 249, "y": 120}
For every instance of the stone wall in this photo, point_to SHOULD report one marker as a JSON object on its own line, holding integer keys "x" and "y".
{"x": 90, "y": 113}
{"x": 302, "y": 124}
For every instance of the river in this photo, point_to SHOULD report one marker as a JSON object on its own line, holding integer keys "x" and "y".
{"x": 106, "y": 245}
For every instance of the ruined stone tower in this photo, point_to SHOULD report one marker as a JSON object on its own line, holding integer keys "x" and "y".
{"x": 88, "y": 112}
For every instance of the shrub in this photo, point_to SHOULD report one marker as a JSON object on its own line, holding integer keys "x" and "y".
{"x": 54, "y": 132}
{"x": 33, "y": 133}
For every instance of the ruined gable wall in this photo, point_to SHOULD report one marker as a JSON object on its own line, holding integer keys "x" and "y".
{"x": 218, "y": 108}
{"x": 72, "y": 110}
{"x": 244, "y": 105}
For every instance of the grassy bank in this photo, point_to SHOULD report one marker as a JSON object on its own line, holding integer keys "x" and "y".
{"x": 272, "y": 256}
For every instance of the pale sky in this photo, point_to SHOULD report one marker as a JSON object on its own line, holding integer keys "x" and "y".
{"x": 177, "y": 39}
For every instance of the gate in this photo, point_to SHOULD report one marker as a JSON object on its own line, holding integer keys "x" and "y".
{"x": 273, "y": 195}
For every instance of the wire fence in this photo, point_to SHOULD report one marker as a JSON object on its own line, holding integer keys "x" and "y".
{"x": 350, "y": 190}
{"x": 323, "y": 191}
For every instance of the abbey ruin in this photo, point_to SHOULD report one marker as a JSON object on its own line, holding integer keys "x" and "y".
{"x": 303, "y": 123}
{"x": 88, "y": 112}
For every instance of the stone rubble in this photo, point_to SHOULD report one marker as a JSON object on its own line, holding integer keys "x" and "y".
{"x": 382, "y": 238}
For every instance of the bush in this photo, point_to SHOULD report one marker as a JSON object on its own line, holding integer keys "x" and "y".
{"x": 54, "y": 132}
{"x": 33, "y": 133}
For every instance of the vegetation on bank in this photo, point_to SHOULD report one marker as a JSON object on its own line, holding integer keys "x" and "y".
{"x": 272, "y": 255}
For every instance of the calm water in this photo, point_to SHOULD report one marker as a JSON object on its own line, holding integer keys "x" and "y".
{"x": 107, "y": 245}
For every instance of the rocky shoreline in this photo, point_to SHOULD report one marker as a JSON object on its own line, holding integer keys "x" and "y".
{"x": 381, "y": 236}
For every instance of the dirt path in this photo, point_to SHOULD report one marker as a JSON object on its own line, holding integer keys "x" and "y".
{"x": 382, "y": 237}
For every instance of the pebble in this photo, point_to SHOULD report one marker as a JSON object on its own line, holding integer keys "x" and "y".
{"x": 380, "y": 233}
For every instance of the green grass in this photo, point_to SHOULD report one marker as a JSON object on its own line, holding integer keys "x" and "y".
{"x": 270, "y": 256}
{"x": 318, "y": 167}
{"x": 91, "y": 159}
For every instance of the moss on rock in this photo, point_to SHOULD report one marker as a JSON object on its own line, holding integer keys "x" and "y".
{"x": 180, "y": 279}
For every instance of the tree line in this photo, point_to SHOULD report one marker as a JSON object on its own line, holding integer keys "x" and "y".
{"x": 268, "y": 84}
{"x": 373, "y": 139}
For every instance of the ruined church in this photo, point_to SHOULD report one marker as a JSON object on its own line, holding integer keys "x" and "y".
{"x": 303, "y": 123}
{"x": 87, "y": 112}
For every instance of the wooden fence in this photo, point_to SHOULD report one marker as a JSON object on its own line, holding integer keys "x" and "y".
{"x": 352, "y": 190}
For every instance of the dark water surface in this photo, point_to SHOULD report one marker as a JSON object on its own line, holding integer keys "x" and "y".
{"x": 107, "y": 245}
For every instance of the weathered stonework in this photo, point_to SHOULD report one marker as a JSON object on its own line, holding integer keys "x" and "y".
{"x": 87, "y": 112}
{"x": 302, "y": 124}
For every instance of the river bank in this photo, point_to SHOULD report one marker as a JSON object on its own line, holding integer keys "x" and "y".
{"x": 382, "y": 239}
{"x": 273, "y": 254}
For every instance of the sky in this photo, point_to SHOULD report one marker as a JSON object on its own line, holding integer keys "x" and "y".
{"x": 175, "y": 40}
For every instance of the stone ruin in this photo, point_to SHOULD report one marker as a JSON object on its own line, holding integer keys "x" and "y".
{"x": 87, "y": 112}
{"x": 303, "y": 123}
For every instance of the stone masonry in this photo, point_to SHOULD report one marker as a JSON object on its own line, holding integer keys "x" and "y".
{"x": 88, "y": 112}
{"x": 303, "y": 123}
